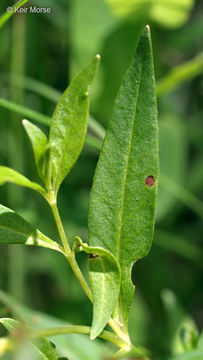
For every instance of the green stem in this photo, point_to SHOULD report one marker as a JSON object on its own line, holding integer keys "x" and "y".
{"x": 70, "y": 256}
{"x": 60, "y": 228}
{"x": 76, "y": 329}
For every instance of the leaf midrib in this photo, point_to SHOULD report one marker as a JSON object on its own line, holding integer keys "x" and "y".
{"x": 17, "y": 231}
{"x": 126, "y": 173}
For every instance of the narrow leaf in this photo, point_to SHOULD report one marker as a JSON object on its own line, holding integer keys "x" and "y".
{"x": 69, "y": 125}
{"x": 15, "y": 230}
{"x": 12, "y": 176}
{"x": 105, "y": 282}
{"x": 39, "y": 144}
{"x": 124, "y": 191}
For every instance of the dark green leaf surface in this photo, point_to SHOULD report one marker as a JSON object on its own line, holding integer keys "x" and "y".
{"x": 15, "y": 230}
{"x": 12, "y": 176}
{"x": 39, "y": 144}
{"x": 69, "y": 125}
{"x": 104, "y": 273}
{"x": 122, "y": 205}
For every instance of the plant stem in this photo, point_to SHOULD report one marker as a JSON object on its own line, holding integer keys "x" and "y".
{"x": 70, "y": 256}
{"x": 76, "y": 329}
{"x": 60, "y": 228}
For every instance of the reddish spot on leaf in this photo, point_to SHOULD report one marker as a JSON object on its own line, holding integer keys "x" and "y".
{"x": 92, "y": 256}
{"x": 150, "y": 180}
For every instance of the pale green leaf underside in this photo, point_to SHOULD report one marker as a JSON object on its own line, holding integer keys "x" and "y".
{"x": 122, "y": 206}
{"x": 39, "y": 144}
{"x": 104, "y": 274}
{"x": 12, "y": 176}
{"x": 15, "y": 230}
{"x": 69, "y": 125}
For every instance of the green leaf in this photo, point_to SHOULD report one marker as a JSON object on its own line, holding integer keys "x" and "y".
{"x": 9, "y": 324}
{"x": 42, "y": 348}
{"x": 104, "y": 273}
{"x": 15, "y": 230}
{"x": 77, "y": 347}
{"x": 46, "y": 348}
{"x": 69, "y": 125}
{"x": 12, "y": 176}
{"x": 122, "y": 205}
{"x": 39, "y": 144}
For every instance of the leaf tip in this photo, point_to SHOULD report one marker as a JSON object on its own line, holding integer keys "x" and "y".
{"x": 98, "y": 57}
{"x": 93, "y": 334}
{"x": 24, "y": 122}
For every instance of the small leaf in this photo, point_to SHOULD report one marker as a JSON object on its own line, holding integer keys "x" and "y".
{"x": 39, "y": 144}
{"x": 12, "y": 176}
{"x": 46, "y": 348}
{"x": 15, "y": 230}
{"x": 42, "y": 348}
{"x": 104, "y": 274}
{"x": 73, "y": 346}
{"x": 123, "y": 196}
{"x": 9, "y": 324}
{"x": 69, "y": 125}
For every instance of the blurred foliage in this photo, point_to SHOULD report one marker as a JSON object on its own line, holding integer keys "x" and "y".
{"x": 166, "y": 315}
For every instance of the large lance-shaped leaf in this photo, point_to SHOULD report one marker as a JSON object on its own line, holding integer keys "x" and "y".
{"x": 9, "y": 175}
{"x": 15, "y": 230}
{"x": 69, "y": 125}
{"x": 105, "y": 282}
{"x": 124, "y": 191}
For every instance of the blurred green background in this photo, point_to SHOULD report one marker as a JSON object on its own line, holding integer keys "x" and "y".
{"x": 39, "y": 54}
